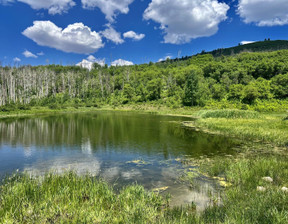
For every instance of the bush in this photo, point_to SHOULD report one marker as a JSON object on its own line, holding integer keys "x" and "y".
{"x": 54, "y": 106}
{"x": 33, "y": 102}
{"x": 24, "y": 107}
{"x": 91, "y": 105}
{"x": 270, "y": 105}
{"x": 8, "y": 107}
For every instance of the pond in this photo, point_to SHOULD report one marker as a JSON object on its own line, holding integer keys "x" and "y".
{"x": 121, "y": 147}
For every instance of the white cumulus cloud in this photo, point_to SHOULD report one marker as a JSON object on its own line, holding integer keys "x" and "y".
{"x": 76, "y": 38}
{"x": 53, "y": 6}
{"x": 91, "y": 58}
{"x": 183, "y": 20}
{"x": 101, "y": 62}
{"x": 88, "y": 63}
{"x": 109, "y": 7}
{"x": 16, "y": 59}
{"x": 133, "y": 35}
{"x": 85, "y": 64}
{"x": 246, "y": 42}
{"x": 121, "y": 62}
{"x": 111, "y": 34}
{"x": 264, "y": 12}
{"x": 29, "y": 54}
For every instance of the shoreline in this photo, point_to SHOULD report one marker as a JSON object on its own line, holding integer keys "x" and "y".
{"x": 45, "y": 110}
{"x": 270, "y": 128}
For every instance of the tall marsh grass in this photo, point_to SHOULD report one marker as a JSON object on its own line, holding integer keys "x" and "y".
{"x": 246, "y": 125}
{"x": 229, "y": 114}
{"x": 243, "y": 203}
{"x": 70, "y": 198}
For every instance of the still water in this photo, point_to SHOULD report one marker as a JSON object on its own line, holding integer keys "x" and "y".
{"x": 121, "y": 147}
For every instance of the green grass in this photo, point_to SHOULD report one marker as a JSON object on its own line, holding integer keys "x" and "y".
{"x": 73, "y": 199}
{"x": 242, "y": 203}
{"x": 246, "y": 125}
{"x": 231, "y": 114}
{"x": 70, "y": 198}
{"x": 268, "y": 130}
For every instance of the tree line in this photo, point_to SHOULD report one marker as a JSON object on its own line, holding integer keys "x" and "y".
{"x": 244, "y": 78}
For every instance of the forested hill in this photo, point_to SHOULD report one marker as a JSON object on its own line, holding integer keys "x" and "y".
{"x": 246, "y": 80}
{"x": 266, "y": 45}
{"x": 259, "y": 46}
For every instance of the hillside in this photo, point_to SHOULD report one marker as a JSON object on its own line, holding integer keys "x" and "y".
{"x": 259, "y": 46}
{"x": 242, "y": 81}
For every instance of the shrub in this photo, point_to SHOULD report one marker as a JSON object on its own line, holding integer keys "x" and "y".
{"x": 54, "y": 106}
{"x": 8, "y": 107}
{"x": 24, "y": 107}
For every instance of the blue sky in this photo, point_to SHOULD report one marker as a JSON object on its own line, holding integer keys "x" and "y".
{"x": 65, "y": 32}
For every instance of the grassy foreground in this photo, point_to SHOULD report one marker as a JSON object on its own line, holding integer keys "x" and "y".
{"x": 73, "y": 199}
{"x": 250, "y": 197}
{"x": 70, "y": 198}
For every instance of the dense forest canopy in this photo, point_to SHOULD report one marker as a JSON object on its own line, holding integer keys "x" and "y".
{"x": 244, "y": 79}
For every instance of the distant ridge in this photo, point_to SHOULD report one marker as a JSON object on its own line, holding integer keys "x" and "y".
{"x": 259, "y": 46}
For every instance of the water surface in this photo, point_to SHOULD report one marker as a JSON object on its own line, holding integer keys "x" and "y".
{"x": 110, "y": 145}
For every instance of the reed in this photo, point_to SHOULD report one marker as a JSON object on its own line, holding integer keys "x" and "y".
{"x": 230, "y": 114}
{"x": 245, "y": 125}
{"x": 242, "y": 202}
{"x": 70, "y": 198}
